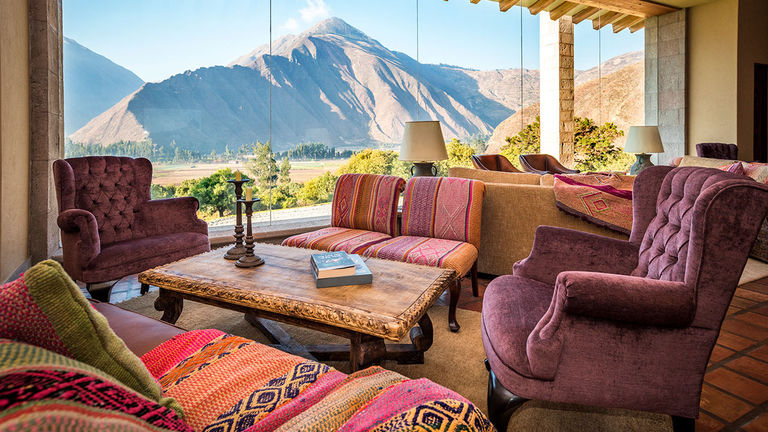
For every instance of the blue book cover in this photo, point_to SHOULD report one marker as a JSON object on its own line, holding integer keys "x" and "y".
{"x": 361, "y": 276}
{"x": 332, "y": 264}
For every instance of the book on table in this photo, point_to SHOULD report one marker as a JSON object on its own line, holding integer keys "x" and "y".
{"x": 332, "y": 264}
{"x": 362, "y": 275}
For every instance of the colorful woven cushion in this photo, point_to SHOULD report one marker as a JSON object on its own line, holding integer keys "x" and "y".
{"x": 44, "y": 307}
{"x": 735, "y": 168}
{"x": 443, "y": 207}
{"x": 42, "y": 390}
{"x": 367, "y": 202}
{"x": 337, "y": 239}
{"x": 228, "y": 383}
{"x": 452, "y": 254}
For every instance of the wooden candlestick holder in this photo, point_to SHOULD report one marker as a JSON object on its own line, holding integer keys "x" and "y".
{"x": 249, "y": 259}
{"x": 239, "y": 249}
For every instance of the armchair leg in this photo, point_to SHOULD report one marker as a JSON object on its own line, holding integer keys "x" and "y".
{"x": 99, "y": 291}
{"x": 501, "y": 403}
{"x": 454, "y": 302}
{"x": 683, "y": 424}
{"x": 144, "y": 289}
{"x": 473, "y": 272}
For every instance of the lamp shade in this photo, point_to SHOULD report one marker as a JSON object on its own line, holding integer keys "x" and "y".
{"x": 643, "y": 139}
{"x": 423, "y": 142}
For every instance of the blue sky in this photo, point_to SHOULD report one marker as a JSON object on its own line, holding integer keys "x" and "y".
{"x": 158, "y": 38}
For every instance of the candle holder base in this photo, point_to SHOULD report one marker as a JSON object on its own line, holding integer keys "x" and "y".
{"x": 249, "y": 261}
{"x": 235, "y": 253}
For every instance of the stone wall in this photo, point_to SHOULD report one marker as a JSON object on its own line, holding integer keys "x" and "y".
{"x": 556, "y": 88}
{"x": 665, "y": 82}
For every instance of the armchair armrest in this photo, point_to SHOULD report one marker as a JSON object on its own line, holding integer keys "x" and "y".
{"x": 80, "y": 236}
{"x": 171, "y": 215}
{"x": 627, "y": 299}
{"x": 557, "y": 250}
{"x": 616, "y": 299}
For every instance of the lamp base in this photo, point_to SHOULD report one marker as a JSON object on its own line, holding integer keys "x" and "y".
{"x": 423, "y": 169}
{"x": 643, "y": 161}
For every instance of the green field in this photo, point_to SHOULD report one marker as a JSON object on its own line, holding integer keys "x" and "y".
{"x": 301, "y": 171}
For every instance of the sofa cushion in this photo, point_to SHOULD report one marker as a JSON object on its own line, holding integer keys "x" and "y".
{"x": 512, "y": 306}
{"x": 443, "y": 207}
{"x": 46, "y": 308}
{"x": 703, "y": 162}
{"x": 42, "y": 388}
{"x": 452, "y": 254}
{"x": 366, "y": 202}
{"x": 140, "y": 334}
{"x": 147, "y": 249}
{"x": 228, "y": 383}
{"x": 337, "y": 239}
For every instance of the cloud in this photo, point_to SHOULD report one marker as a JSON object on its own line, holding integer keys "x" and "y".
{"x": 291, "y": 25}
{"x": 315, "y": 10}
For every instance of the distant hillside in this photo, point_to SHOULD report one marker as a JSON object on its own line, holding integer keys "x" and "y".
{"x": 333, "y": 84}
{"x": 92, "y": 84}
{"x": 622, "y": 103}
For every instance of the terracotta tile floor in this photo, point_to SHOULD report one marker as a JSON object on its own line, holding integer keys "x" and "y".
{"x": 735, "y": 392}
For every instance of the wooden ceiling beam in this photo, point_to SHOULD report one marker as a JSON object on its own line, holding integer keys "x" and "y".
{"x": 561, "y": 10}
{"x": 625, "y": 22}
{"x": 641, "y": 8}
{"x": 505, "y": 5}
{"x": 636, "y": 26}
{"x": 584, "y": 14}
{"x": 605, "y": 19}
{"x": 473, "y": 1}
{"x": 539, "y": 6}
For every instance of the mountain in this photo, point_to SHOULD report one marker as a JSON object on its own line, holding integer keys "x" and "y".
{"x": 332, "y": 84}
{"x": 92, "y": 84}
{"x": 622, "y": 102}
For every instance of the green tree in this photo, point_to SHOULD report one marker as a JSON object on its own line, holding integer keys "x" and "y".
{"x": 159, "y": 191}
{"x": 459, "y": 155}
{"x": 213, "y": 192}
{"x": 285, "y": 172}
{"x": 263, "y": 166}
{"x": 317, "y": 190}
{"x": 375, "y": 161}
{"x": 526, "y": 141}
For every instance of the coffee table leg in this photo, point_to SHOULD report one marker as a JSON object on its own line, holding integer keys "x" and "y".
{"x": 455, "y": 292}
{"x": 365, "y": 350}
{"x": 170, "y": 304}
{"x": 422, "y": 336}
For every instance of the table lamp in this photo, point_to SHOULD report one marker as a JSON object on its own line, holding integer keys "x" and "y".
{"x": 423, "y": 144}
{"x": 642, "y": 140}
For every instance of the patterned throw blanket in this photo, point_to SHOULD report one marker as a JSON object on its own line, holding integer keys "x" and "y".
{"x": 602, "y": 199}
{"x": 228, "y": 383}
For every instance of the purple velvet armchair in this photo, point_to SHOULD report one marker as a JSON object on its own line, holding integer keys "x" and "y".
{"x": 109, "y": 226}
{"x": 627, "y": 324}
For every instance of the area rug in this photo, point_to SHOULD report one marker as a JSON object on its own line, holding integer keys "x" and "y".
{"x": 455, "y": 360}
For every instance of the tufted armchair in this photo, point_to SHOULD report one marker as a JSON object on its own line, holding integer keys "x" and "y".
{"x": 717, "y": 151}
{"x": 493, "y": 162}
{"x": 624, "y": 324}
{"x": 109, "y": 226}
{"x": 543, "y": 164}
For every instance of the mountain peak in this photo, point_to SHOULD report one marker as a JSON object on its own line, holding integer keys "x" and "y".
{"x": 336, "y": 26}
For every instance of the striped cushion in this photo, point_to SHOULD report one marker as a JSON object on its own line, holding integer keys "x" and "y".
{"x": 367, "y": 202}
{"x": 337, "y": 239}
{"x": 44, "y": 307}
{"x": 42, "y": 390}
{"x": 443, "y": 207}
{"x": 229, "y": 384}
{"x": 433, "y": 252}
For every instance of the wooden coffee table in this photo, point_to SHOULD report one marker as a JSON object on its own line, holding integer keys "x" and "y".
{"x": 283, "y": 290}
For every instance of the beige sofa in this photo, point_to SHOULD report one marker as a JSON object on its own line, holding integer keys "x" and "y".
{"x": 515, "y": 204}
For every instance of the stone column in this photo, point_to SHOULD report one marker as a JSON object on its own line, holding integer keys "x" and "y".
{"x": 665, "y": 82}
{"x": 46, "y": 124}
{"x": 556, "y": 87}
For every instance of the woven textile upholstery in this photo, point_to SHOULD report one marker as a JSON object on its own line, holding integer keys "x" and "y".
{"x": 433, "y": 252}
{"x": 228, "y": 383}
{"x": 42, "y": 390}
{"x": 603, "y": 199}
{"x": 443, "y": 207}
{"x": 366, "y": 202}
{"x": 337, "y": 239}
{"x": 46, "y": 308}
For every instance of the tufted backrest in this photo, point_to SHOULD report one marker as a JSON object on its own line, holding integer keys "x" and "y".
{"x": 111, "y": 188}
{"x": 443, "y": 207}
{"x": 367, "y": 202}
{"x": 717, "y": 151}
